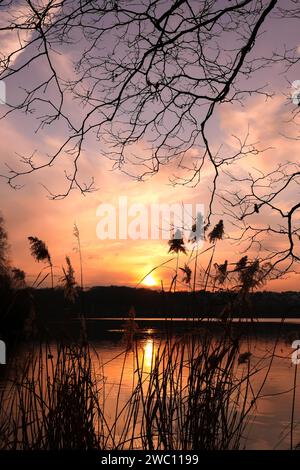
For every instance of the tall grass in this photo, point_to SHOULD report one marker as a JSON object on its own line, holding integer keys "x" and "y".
{"x": 52, "y": 401}
{"x": 197, "y": 394}
{"x": 192, "y": 397}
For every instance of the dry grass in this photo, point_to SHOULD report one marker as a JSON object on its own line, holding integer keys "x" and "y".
{"x": 193, "y": 397}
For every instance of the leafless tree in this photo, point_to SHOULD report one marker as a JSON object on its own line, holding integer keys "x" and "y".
{"x": 153, "y": 71}
{"x": 276, "y": 233}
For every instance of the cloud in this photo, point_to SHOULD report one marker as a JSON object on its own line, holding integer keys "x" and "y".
{"x": 270, "y": 127}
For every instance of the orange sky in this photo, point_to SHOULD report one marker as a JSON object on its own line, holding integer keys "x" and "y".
{"x": 124, "y": 262}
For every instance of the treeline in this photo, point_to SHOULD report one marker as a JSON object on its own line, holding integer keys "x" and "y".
{"x": 103, "y": 301}
{"x": 16, "y": 299}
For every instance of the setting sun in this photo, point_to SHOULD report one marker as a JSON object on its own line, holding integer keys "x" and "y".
{"x": 149, "y": 232}
{"x": 149, "y": 281}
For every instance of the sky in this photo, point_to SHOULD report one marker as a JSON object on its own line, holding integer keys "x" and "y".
{"x": 29, "y": 212}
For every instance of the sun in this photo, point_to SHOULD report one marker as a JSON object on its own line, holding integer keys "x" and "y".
{"x": 149, "y": 281}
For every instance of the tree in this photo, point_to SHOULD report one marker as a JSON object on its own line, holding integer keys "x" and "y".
{"x": 155, "y": 72}
{"x": 268, "y": 194}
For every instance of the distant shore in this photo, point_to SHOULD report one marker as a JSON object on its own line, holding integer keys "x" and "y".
{"x": 114, "y": 301}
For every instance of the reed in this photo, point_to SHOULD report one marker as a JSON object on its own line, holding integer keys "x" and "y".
{"x": 194, "y": 396}
{"x": 197, "y": 393}
{"x": 52, "y": 401}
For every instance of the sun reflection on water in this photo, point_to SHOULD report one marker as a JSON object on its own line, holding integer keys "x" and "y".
{"x": 148, "y": 352}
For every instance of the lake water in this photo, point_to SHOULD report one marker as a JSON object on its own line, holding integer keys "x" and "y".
{"x": 270, "y": 423}
{"x": 269, "y": 341}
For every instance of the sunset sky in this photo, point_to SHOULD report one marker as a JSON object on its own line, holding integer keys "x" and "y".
{"x": 28, "y": 211}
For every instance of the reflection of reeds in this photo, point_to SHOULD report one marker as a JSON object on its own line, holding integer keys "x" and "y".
{"x": 130, "y": 330}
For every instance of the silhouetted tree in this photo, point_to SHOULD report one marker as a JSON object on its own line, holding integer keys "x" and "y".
{"x": 152, "y": 70}
{"x": 155, "y": 71}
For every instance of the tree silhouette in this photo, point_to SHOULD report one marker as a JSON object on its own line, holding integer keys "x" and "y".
{"x": 156, "y": 73}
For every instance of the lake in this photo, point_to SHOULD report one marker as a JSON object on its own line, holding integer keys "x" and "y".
{"x": 268, "y": 342}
